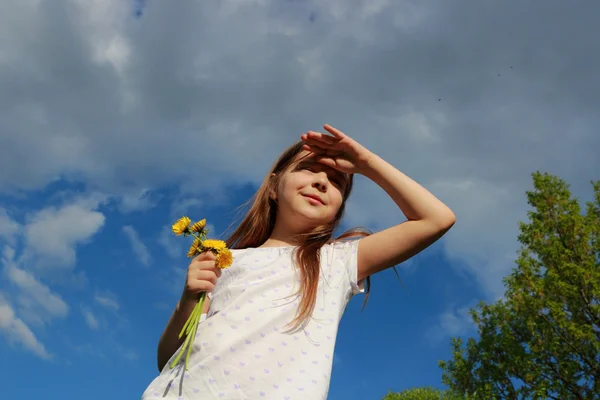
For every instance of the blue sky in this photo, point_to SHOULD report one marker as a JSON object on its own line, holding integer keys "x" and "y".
{"x": 117, "y": 118}
{"x": 108, "y": 338}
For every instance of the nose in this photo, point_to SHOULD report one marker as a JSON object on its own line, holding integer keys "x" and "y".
{"x": 320, "y": 182}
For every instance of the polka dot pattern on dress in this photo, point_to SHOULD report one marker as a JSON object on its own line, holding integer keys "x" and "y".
{"x": 243, "y": 348}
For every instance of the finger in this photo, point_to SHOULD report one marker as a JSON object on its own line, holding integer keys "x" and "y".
{"x": 207, "y": 255}
{"x": 330, "y": 162}
{"x": 207, "y": 275}
{"x": 205, "y": 266}
{"x": 323, "y": 140}
{"x": 210, "y": 275}
{"x": 314, "y": 149}
{"x": 200, "y": 286}
{"x": 310, "y": 149}
{"x": 335, "y": 132}
{"x": 321, "y": 137}
{"x": 320, "y": 152}
{"x": 319, "y": 144}
{"x": 325, "y": 146}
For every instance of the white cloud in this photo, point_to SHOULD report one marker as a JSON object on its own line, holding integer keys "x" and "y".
{"x": 169, "y": 242}
{"x": 451, "y": 323}
{"x": 185, "y": 206}
{"x": 140, "y": 200}
{"x": 173, "y": 279}
{"x": 51, "y": 236}
{"x": 37, "y": 303}
{"x": 90, "y": 319}
{"x": 488, "y": 215}
{"x": 36, "y": 296}
{"x": 53, "y": 233}
{"x": 131, "y": 355}
{"x": 9, "y": 228}
{"x": 139, "y": 248}
{"x": 88, "y": 349}
{"x": 107, "y": 299}
{"x": 17, "y": 331}
{"x": 8, "y": 256}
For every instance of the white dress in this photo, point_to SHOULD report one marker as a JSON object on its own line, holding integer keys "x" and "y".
{"x": 242, "y": 349}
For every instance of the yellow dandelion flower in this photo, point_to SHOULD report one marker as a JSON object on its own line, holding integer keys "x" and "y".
{"x": 212, "y": 244}
{"x": 198, "y": 226}
{"x": 224, "y": 258}
{"x": 182, "y": 225}
{"x": 195, "y": 248}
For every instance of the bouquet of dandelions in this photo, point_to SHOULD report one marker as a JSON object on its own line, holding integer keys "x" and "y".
{"x": 201, "y": 244}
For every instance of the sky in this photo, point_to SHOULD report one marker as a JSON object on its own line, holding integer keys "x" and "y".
{"x": 118, "y": 117}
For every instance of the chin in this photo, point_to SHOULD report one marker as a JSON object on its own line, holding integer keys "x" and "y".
{"x": 309, "y": 215}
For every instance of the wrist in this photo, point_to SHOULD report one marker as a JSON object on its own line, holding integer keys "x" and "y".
{"x": 188, "y": 300}
{"x": 371, "y": 165}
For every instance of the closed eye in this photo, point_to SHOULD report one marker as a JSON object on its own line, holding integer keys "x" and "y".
{"x": 333, "y": 178}
{"x": 305, "y": 167}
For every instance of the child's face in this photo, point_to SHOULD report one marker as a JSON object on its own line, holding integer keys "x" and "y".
{"x": 310, "y": 192}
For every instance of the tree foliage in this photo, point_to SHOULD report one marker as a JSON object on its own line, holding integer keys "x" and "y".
{"x": 542, "y": 340}
{"x": 426, "y": 393}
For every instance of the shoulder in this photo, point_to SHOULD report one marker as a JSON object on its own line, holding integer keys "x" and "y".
{"x": 342, "y": 248}
{"x": 345, "y": 242}
{"x": 341, "y": 257}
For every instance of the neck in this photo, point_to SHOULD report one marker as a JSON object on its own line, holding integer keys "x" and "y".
{"x": 284, "y": 234}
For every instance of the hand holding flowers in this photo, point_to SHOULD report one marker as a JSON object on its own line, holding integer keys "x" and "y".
{"x": 210, "y": 256}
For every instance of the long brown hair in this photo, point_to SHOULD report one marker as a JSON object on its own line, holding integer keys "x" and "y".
{"x": 258, "y": 224}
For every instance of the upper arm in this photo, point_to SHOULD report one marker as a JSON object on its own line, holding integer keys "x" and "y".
{"x": 394, "y": 245}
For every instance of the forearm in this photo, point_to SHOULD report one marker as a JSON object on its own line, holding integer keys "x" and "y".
{"x": 413, "y": 199}
{"x": 169, "y": 341}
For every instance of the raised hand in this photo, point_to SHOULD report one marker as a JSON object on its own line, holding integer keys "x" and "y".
{"x": 338, "y": 150}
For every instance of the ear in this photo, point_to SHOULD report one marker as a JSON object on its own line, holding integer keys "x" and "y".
{"x": 273, "y": 193}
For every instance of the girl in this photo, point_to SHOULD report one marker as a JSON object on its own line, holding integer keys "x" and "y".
{"x": 272, "y": 319}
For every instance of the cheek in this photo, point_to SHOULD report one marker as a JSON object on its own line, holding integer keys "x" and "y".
{"x": 286, "y": 187}
{"x": 292, "y": 182}
{"x": 337, "y": 201}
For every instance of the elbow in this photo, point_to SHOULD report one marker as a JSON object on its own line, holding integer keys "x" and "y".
{"x": 449, "y": 220}
{"x": 161, "y": 360}
{"x": 444, "y": 221}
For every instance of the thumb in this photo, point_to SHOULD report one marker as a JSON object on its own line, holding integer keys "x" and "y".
{"x": 207, "y": 255}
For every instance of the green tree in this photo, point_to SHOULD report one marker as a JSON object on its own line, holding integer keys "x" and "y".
{"x": 542, "y": 340}
{"x": 426, "y": 393}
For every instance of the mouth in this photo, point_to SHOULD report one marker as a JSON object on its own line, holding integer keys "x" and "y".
{"x": 316, "y": 198}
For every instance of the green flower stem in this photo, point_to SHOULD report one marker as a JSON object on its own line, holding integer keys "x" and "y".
{"x": 194, "y": 329}
{"x": 190, "y": 327}
{"x": 187, "y": 323}
{"x": 176, "y": 360}
{"x": 195, "y": 316}
{"x": 201, "y": 238}
{"x": 198, "y": 237}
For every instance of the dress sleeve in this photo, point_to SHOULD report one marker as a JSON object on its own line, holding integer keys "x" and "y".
{"x": 346, "y": 252}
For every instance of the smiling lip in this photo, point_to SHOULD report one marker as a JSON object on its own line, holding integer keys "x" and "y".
{"x": 314, "y": 197}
